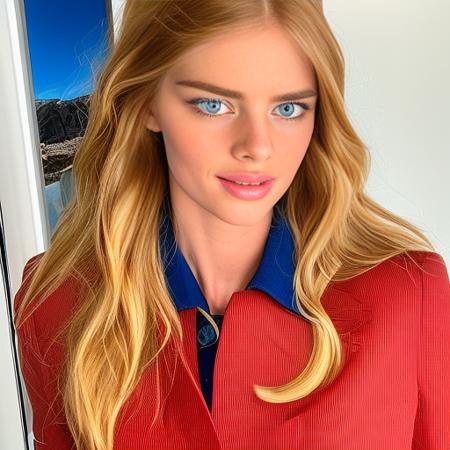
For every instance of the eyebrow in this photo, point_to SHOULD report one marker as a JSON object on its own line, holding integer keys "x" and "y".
{"x": 239, "y": 95}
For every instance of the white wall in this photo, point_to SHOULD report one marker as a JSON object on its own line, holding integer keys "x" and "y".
{"x": 398, "y": 96}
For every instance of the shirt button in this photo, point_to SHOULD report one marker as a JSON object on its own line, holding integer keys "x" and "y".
{"x": 206, "y": 335}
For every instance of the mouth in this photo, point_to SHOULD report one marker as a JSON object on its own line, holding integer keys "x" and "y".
{"x": 247, "y": 191}
{"x": 243, "y": 183}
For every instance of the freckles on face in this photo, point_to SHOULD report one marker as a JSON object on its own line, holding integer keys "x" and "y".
{"x": 246, "y": 132}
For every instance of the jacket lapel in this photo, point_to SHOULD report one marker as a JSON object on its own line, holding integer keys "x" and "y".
{"x": 261, "y": 343}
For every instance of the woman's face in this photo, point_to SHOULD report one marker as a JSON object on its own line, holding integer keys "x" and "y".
{"x": 250, "y": 129}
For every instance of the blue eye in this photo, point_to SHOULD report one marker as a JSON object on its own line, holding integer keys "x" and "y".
{"x": 289, "y": 107}
{"x": 213, "y": 105}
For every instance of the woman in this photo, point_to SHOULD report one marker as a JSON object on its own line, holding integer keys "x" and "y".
{"x": 177, "y": 308}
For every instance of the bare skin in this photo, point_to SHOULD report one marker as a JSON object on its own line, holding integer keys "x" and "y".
{"x": 222, "y": 237}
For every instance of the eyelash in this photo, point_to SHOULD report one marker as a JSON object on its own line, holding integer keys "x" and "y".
{"x": 195, "y": 101}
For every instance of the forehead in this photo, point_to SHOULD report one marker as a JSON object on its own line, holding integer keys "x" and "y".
{"x": 252, "y": 60}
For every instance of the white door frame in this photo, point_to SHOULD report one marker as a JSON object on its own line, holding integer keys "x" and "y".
{"x": 24, "y": 211}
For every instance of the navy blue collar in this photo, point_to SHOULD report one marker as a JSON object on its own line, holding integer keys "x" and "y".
{"x": 274, "y": 275}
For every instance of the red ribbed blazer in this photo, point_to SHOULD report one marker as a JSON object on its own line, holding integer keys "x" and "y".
{"x": 393, "y": 393}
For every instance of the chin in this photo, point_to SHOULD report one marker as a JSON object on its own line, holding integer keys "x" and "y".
{"x": 244, "y": 213}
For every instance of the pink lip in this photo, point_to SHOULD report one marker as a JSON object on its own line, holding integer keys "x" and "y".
{"x": 247, "y": 192}
{"x": 246, "y": 177}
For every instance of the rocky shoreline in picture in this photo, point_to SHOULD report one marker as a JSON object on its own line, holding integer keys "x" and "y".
{"x": 61, "y": 125}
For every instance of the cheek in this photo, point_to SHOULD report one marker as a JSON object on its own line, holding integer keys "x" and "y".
{"x": 295, "y": 146}
{"x": 188, "y": 151}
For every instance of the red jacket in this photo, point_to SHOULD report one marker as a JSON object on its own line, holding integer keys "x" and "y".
{"x": 393, "y": 393}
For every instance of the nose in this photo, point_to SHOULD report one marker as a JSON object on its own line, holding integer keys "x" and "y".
{"x": 253, "y": 138}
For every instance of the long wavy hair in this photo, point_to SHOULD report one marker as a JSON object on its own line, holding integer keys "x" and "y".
{"x": 108, "y": 234}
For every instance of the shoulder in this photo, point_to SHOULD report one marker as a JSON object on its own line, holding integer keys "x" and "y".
{"x": 26, "y": 273}
{"x": 435, "y": 288}
{"x": 423, "y": 257}
{"x": 434, "y": 280}
{"x": 403, "y": 280}
{"x": 434, "y": 264}
{"x": 401, "y": 270}
{"x": 430, "y": 267}
{"x": 53, "y": 312}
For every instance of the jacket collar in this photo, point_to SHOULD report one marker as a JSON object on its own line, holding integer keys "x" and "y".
{"x": 274, "y": 275}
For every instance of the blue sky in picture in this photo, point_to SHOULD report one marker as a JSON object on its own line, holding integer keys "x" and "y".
{"x": 68, "y": 43}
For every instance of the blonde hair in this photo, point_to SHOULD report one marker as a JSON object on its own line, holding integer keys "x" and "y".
{"x": 108, "y": 234}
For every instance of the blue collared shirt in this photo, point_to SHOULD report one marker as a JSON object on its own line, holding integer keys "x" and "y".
{"x": 274, "y": 277}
